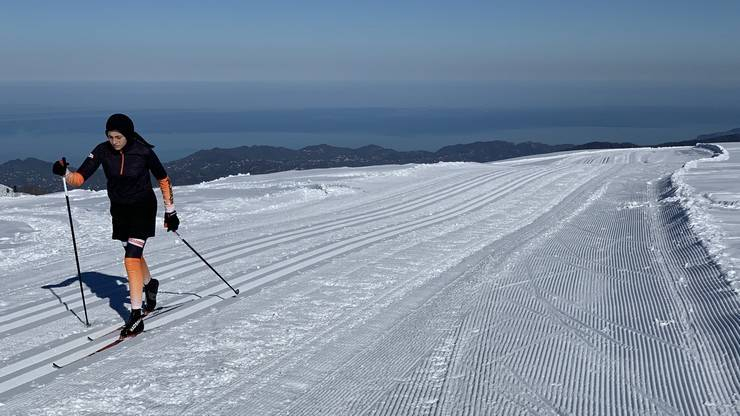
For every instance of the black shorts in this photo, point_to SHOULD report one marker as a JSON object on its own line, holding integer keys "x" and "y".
{"x": 136, "y": 220}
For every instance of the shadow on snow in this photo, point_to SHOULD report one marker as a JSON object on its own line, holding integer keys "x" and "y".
{"x": 103, "y": 286}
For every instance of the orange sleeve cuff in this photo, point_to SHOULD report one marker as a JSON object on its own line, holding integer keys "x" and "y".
{"x": 169, "y": 201}
{"x": 74, "y": 179}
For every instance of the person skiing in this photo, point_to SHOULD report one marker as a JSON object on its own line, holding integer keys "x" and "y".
{"x": 127, "y": 160}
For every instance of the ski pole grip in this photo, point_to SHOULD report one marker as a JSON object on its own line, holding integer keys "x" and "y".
{"x": 64, "y": 179}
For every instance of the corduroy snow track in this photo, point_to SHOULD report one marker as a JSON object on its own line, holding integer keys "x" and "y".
{"x": 565, "y": 284}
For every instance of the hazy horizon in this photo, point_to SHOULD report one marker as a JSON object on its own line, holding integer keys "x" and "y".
{"x": 49, "y": 119}
{"x": 405, "y": 75}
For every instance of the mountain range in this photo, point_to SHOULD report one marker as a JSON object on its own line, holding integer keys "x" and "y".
{"x": 34, "y": 176}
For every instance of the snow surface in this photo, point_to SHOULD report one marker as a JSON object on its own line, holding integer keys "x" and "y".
{"x": 6, "y": 191}
{"x": 709, "y": 191}
{"x": 563, "y": 284}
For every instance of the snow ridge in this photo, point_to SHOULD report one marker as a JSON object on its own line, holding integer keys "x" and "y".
{"x": 696, "y": 206}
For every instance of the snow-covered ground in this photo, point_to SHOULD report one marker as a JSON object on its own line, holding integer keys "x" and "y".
{"x": 562, "y": 284}
{"x": 6, "y": 191}
{"x": 708, "y": 189}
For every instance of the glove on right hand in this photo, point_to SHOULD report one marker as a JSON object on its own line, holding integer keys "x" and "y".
{"x": 60, "y": 167}
{"x": 171, "y": 222}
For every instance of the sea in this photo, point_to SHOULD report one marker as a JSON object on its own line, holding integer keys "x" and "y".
{"x": 48, "y": 120}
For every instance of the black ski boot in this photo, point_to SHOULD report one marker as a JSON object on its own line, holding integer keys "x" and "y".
{"x": 150, "y": 295}
{"x": 134, "y": 325}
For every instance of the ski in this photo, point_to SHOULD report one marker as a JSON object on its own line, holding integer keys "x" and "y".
{"x": 97, "y": 348}
{"x": 112, "y": 344}
{"x": 157, "y": 311}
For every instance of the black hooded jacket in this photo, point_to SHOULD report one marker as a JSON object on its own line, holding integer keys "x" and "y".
{"x": 127, "y": 170}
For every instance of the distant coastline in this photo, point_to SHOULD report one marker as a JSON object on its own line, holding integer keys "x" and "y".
{"x": 34, "y": 176}
{"x": 49, "y": 119}
{"x": 49, "y": 135}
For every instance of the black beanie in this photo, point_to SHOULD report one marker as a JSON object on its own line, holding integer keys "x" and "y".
{"x": 122, "y": 124}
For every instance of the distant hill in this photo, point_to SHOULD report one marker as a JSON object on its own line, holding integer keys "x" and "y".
{"x": 206, "y": 165}
{"x": 495, "y": 150}
{"x": 720, "y": 137}
{"x": 29, "y": 175}
{"x": 723, "y": 135}
{"x": 603, "y": 145}
{"x": 34, "y": 176}
{"x": 210, "y": 164}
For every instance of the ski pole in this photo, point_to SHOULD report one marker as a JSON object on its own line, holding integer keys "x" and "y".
{"x": 236, "y": 291}
{"x": 74, "y": 244}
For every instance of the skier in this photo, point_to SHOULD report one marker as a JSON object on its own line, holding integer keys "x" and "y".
{"x": 127, "y": 160}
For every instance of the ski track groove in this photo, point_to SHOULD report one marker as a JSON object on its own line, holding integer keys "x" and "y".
{"x": 213, "y": 285}
{"x": 286, "y": 361}
{"x": 216, "y": 262}
{"x": 225, "y": 254}
{"x": 642, "y": 367}
{"x": 34, "y": 307}
{"x": 85, "y": 258}
{"x": 303, "y": 406}
{"x": 255, "y": 394}
{"x": 547, "y": 320}
{"x": 21, "y": 365}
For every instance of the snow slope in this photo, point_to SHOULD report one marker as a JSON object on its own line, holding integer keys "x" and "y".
{"x": 567, "y": 284}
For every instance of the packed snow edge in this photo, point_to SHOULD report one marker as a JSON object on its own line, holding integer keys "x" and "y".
{"x": 697, "y": 205}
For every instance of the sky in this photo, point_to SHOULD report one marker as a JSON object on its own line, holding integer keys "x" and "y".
{"x": 555, "y": 72}
{"x": 429, "y": 40}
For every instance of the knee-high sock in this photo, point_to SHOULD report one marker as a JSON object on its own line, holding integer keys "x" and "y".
{"x": 145, "y": 271}
{"x": 135, "y": 281}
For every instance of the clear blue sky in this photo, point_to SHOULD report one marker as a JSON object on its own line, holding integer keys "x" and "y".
{"x": 553, "y": 71}
{"x": 425, "y": 40}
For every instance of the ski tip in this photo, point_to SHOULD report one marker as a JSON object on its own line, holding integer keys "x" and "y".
{"x": 89, "y": 338}
{"x": 55, "y": 365}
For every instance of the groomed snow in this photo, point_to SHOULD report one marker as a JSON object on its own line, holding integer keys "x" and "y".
{"x": 564, "y": 284}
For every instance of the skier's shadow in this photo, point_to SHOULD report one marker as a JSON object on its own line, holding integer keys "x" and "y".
{"x": 104, "y": 286}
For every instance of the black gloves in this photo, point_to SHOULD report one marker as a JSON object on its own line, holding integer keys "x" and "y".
{"x": 60, "y": 167}
{"x": 171, "y": 222}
